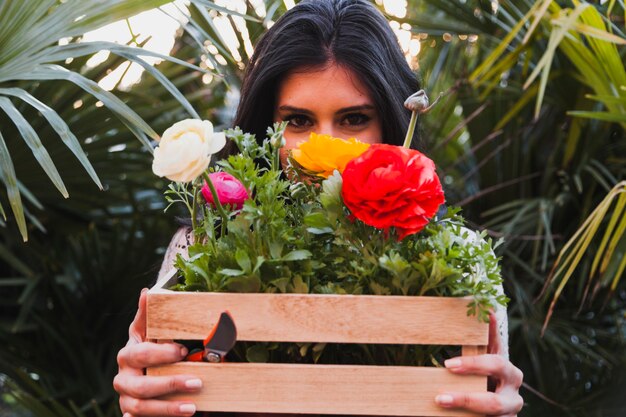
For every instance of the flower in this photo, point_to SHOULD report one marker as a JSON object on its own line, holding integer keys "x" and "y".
{"x": 392, "y": 186}
{"x": 185, "y": 150}
{"x": 298, "y": 236}
{"x": 323, "y": 154}
{"x": 417, "y": 102}
{"x": 230, "y": 191}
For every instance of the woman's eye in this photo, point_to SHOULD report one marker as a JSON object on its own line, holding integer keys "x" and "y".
{"x": 355, "y": 119}
{"x": 298, "y": 121}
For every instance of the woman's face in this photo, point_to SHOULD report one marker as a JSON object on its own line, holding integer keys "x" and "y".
{"x": 331, "y": 100}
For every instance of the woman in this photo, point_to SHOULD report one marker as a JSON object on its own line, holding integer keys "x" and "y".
{"x": 333, "y": 67}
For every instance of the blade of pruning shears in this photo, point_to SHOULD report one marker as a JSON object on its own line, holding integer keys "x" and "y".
{"x": 219, "y": 342}
{"x": 221, "y": 339}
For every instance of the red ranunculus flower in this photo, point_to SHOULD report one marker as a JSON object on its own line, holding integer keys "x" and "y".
{"x": 392, "y": 186}
{"x": 230, "y": 190}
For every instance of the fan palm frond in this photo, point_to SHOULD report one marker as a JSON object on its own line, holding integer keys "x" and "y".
{"x": 30, "y": 37}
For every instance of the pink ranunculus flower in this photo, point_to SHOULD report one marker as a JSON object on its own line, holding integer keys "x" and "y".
{"x": 230, "y": 191}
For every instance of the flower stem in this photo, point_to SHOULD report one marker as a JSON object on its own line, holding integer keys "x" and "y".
{"x": 411, "y": 130}
{"x": 276, "y": 161}
{"x": 216, "y": 201}
{"x": 194, "y": 206}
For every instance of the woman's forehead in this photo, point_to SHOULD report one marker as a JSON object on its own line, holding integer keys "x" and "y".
{"x": 323, "y": 86}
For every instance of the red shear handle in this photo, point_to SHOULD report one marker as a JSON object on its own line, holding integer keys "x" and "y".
{"x": 220, "y": 340}
{"x": 195, "y": 355}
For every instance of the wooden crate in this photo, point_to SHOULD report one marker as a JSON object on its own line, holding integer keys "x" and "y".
{"x": 319, "y": 389}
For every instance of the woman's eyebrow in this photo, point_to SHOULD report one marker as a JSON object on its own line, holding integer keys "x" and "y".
{"x": 295, "y": 109}
{"x": 356, "y": 108}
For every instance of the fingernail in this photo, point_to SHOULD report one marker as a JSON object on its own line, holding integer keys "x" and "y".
{"x": 453, "y": 363}
{"x": 144, "y": 290}
{"x": 193, "y": 383}
{"x": 444, "y": 399}
{"x": 183, "y": 351}
{"x": 187, "y": 409}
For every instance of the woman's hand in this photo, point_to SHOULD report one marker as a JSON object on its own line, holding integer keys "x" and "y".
{"x": 505, "y": 401}
{"x": 137, "y": 390}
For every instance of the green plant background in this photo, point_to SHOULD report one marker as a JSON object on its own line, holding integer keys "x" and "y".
{"x": 529, "y": 138}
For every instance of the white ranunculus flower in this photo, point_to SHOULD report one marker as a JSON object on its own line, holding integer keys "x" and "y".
{"x": 185, "y": 150}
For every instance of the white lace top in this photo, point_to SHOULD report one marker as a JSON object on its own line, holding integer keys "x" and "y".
{"x": 182, "y": 239}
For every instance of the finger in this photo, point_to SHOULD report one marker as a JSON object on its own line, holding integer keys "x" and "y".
{"x": 146, "y": 354}
{"x": 137, "y": 329}
{"x": 141, "y": 386}
{"x": 138, "y": 407}
{"x": 481, "y": 402}
{"x": 490, "y": 365}
{"x": 495, "y": 341}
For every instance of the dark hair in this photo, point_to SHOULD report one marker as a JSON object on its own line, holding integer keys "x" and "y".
{"x": 351, "y": 33}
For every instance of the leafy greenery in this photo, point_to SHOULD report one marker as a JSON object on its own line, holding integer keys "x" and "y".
{"x": 295, "y": 235}
{"x": 517, "y": 157}
{"x": 34, "y": 38}
{"x": 68, "y": 295}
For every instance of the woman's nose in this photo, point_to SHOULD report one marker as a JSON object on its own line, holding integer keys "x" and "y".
{"x": 329, "y": 128}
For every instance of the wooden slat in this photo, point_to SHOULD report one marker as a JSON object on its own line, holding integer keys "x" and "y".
{"x": 323, "y": 389}
{"x": 316, "y": 318}
{"x": 473, "y": 350}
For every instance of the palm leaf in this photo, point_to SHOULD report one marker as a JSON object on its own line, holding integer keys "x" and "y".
{"x": 550, "y": 170}
{"x": 29, "y": 36}
{"x": 211, "y": 5}
{"x": 10, "y": 181}
{"x": 598, "y": 115}
{"x": 132, "y": 120}
{"x": 59, "y": 126}
{"x": 574, "y": 250}
{"x": 34, "y": 143}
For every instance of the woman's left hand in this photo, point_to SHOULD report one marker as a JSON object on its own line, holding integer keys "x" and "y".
{"x": 507, "y": 379}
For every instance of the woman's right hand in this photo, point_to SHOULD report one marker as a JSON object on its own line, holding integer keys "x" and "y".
{"x": 138, "y": 391}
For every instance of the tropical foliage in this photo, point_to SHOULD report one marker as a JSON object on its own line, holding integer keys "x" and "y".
{"x": 535, "y": 155}
{"x": 529, "y": 136}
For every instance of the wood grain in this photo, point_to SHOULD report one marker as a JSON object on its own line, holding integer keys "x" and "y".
{"x": 473, "y": 350}
{"x": 316, "y": 318}
{"x": 323, "y": 389}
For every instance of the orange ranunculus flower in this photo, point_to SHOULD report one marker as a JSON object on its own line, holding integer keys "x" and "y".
{"x": 323, "y": 154}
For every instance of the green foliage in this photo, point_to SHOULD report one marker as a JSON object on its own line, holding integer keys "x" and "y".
{"x": 609, "y": 261}
{"x": 68, "y": 328}
{"x": 69, "y": 294}
{"x": 282, "y": 241}
{"x": 32, "y": 38}
{"x": 516, "y": 153}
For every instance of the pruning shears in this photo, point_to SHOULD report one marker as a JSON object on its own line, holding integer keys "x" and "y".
{"x": 218, "y": 343}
